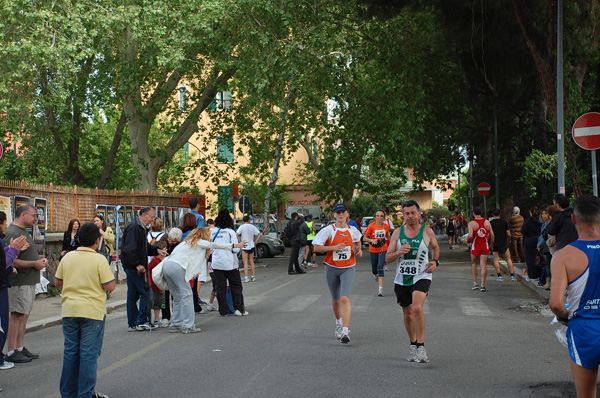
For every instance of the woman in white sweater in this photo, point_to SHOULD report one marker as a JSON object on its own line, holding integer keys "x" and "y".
{"x": 183, "y": 264}
{"x": 225, "y": 266}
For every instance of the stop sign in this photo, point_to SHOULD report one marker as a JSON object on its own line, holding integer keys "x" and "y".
{"x": 586, "y": 131}
{"x": 483, "y": 189}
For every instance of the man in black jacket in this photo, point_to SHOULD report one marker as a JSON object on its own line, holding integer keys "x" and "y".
{"x": 561, "y": 225}
{"x": 134, "y": 256}
{"x": 295, "y": 223}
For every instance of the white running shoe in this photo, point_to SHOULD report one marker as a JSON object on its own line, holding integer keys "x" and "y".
{"x": 245, "y": 279}
{"x": 345, "y": 338}
{"x": 499, "y": 279}
{"x": 338, "y": 331}
{"x": 475, "y": 286}
{"x": 239, "y": 313}
{"x": 422, "y": 355}
{"x": 380, "y": 292}
{"x": 412, "y": 354}
{"x": 253, "y": 278}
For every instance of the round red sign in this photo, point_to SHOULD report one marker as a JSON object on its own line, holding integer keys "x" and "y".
{"x": 483, "y": 189}
{"x": 586, "y": 131}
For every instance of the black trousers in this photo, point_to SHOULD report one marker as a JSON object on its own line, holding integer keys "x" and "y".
{"x": 195, "y": 297}
{"x": 166, "y": 312}
{"x": 294, "y": 257}
{"x": 220, "y": 279}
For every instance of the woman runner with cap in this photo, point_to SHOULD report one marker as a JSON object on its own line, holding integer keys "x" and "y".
{"x": 342, "y": 244}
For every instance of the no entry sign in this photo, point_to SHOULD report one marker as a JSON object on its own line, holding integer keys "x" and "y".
{"x": 483, "y": 189}
{"x": 586, "y": 131}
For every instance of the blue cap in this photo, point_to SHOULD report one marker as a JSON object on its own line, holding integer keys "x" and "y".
{"x": 340, "y": 207}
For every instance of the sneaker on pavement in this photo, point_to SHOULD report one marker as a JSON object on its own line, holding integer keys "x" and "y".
{"x": 164, "y": 323}
{"x": 132, "y": 329}
{"x": 245, "y": 279}
{"x": 193, "y": 329}
{"x": 18, "y": 357}
{"x": 338, "y": 331}
{"x": 99, "y": 395}
{"x": 482, "y": 288}
{"x": 211, "y": 307}
{"x": 412, "y": 354}
{"x": 6, "y": 365}
{"x": 345, "y": 337}
{"x": 201, "y": 311}
{"x": 512, "y": 279}
{"x": 174, "y": 329}
{"x": 499, "y": 279}
{"x": 380, "y": 292}
{"x": 253, "y": 278}
{"x": 200, "y": 301}
{"x": 29, "y": 354}
{"x": 375, "y": 277}
{"x": 239, "y": 313}
{"x": 422, "y": 355}
{"x": 144, "y": 326}
{"x": 475, "y": 286}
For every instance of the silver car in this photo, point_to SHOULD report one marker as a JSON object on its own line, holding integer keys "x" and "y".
{"x": 267, "y": 245}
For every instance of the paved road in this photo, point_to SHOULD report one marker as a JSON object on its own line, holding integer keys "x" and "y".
{"x": 493, "y": 344}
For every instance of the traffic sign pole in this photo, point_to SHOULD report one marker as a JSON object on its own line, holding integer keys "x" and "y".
{"x": 594, "y": 177}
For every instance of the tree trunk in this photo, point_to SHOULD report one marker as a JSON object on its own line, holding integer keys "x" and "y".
{"x": 112, "y": 153}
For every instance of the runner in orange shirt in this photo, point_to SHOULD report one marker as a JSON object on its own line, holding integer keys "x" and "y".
{"x": 341, "y": 242}
{"x": 377, "y": 235}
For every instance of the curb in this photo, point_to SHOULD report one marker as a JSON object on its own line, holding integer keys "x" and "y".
{"x": 545, "y": 294}
{"x": 57, "y": 320}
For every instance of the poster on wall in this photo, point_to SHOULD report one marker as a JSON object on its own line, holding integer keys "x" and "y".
{"x": 128, "y": 214}
{"x": 5, "y": 206}
{"x": 39, "y": 231}
{"x": 111, "y": 217}
{"x": 121, "y": 217}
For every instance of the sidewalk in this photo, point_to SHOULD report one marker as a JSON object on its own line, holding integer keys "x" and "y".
{"x": 47, "y": 310}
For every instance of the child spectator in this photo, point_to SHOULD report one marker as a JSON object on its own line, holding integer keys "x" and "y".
{"x": 158, "y": 296}
{"x": 84, "y": 276}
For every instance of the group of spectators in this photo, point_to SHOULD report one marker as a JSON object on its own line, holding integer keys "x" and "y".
{"x": 533, "y": 240}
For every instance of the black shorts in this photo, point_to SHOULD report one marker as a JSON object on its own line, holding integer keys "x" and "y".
{"x": 249, "y": 251}
{"x": 500, "y": 249}
{"x": 307, "y": 243}
{"x": 404, "y": 293}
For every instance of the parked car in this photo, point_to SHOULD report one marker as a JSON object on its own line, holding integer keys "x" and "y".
{"x": 366, "y": 221}
{"x": 267, "y": 245}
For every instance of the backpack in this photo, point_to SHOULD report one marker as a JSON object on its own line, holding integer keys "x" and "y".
{"x": 154, "y": 238}
{"x": 288, "y": 232}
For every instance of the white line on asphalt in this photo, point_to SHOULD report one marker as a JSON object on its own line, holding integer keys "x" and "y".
{"x": 299, "y": 302}
{"x": 473, "y": 306}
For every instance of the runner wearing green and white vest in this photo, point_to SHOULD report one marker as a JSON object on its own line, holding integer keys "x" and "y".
{"x": 410, "y": 245}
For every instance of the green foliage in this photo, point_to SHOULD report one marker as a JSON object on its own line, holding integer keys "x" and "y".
{"x": 257, "y": 192}
{"x": 537, "y": 169}
{"x": 439, "y": 211}
{"x": 363, "y": 206}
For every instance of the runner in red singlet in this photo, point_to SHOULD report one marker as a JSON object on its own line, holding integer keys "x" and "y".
{"x": 481, "y": 237}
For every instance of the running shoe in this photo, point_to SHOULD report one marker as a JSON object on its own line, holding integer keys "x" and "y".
{"x": 193, "y": 329}
{"x": 174, "y": 329}
{"x": 252, "y": 278}
{"x": 513, "y": 279}
{"x": 482, "y": 288}
{"x": 499, "y": 279}
{"x": 239, "y": 313}
{"x": 338, "y": 331}
{"x": 380, "y": 292}
{"x": 211, "y": 307}
{"x": 475, "y": 286}
{"x": 375, "y": 277}
{"x": 29, "y": 354}
{"x": 412, "y": 354}
{"x": 345, "y": 338}
{"x": 245, "y": 279}
{"x": 422, "y": 355}
{"x": 200, "y": 301}
{"x": 164, "y": 323}
{"x": 6, "y": 365}
{"x": 144, "y": 326}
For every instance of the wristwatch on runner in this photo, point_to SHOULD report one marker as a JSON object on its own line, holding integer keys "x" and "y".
{"x": 437, "y": 262}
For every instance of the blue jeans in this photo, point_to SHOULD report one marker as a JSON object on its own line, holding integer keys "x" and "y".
{"x": 377, "y": 263}
{"x": 136, "y": 290}
{"x": 83, "y": 345}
